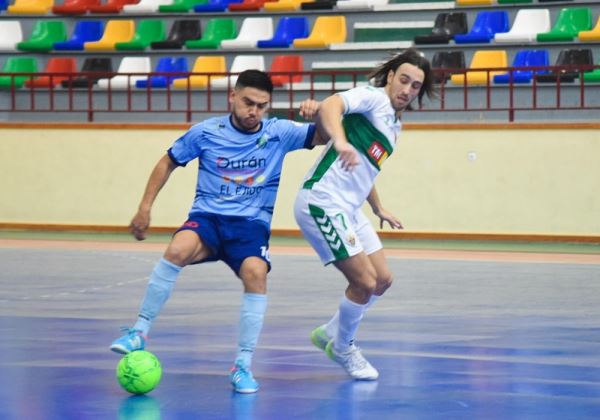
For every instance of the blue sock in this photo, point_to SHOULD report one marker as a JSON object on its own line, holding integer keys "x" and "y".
{"x": 162, "y": 281}
{"x": 252, "y": 314}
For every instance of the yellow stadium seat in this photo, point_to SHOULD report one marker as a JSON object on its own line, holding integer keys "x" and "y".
{"x": 203, "y": 65}
{"x": 30, "y": 7}
{"x": 593, "y": 35}
{"x": 116, "y": 31}
{"x": 482, "y": 60}
{"x": 473, "y": 2}
{"x": 284, "y": 5}
{"x": 326, "y": 30}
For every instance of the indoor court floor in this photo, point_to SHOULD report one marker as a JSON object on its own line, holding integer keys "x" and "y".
{"x": 474, "y": 334}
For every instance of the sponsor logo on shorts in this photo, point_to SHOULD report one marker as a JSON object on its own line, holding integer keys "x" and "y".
{"x": 191, "y": 224}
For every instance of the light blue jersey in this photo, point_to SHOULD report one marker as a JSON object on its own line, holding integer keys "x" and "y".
{"x": 239, "y": 172}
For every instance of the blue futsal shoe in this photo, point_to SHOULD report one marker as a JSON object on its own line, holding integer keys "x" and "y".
{"x": 242, "y": 380}
{"x": 133, "y": 340}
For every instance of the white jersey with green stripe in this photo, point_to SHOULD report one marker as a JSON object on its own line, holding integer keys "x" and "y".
{"x": 371, "y": 126}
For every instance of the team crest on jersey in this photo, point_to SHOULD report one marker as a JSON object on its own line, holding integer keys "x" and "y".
{"x": 377, "y": 152}
{"x": 351, "y": 239}
{"x": 262, "y": 141}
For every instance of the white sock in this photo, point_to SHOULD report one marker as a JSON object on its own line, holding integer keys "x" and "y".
{"x": 350, "y": 315}
{"x": 332, "y": 326}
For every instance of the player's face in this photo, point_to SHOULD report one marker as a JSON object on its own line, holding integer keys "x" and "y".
{"x": 248, "y": 106}
{"x": 404, "y": 85}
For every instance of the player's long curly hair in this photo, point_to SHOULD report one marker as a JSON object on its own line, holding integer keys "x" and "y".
{"x": 411, "y": 56}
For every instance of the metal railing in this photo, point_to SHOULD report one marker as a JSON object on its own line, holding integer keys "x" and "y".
{"x": 91, "y": 100}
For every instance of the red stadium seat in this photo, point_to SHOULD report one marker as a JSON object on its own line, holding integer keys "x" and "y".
{"x": 75, "y": 7}
{"x": 286, "y": 63}
{"x": 248, "y": 5}
{"x": 55, "y": 65}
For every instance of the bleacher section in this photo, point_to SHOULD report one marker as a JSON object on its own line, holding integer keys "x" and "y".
{"x": 324, "y": 36}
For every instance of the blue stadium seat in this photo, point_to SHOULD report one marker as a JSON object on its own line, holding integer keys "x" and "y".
{"x": 165, "y": 65}
{"x": 487, "y": 24}
{"x": 288, "y": 29}
{"x": 3, "y": 4}
{"x": 215, "y": 5}
{"x": 84, "y": 31}
{"x": 525, "y": 58}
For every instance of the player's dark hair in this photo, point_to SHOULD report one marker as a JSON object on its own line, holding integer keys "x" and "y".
{"x": 410, "y": 56}
{"x": 255, "y": 79}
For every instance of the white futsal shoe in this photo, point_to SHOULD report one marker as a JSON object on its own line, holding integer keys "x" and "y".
{"x": 353, "y": 361}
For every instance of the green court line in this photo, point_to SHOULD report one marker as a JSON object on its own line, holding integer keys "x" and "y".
{"x": 455, "y": 245}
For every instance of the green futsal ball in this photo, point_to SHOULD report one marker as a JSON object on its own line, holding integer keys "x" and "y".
{"x": 139, "y": 372}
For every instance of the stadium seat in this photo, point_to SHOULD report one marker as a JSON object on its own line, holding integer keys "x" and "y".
{"x": 180, "y": 6}
{"x": 568, "y": 57}
{"x": 145, "y": 6}
{"x": 214, "y": 6}
{"x": 12, "y": 34}
{"x": 217, "y": 29}
{"x": 74, "y": 7}
{"x": 282, "y": 6}
{"x": 111, "y": 6}
{"x": 445, "y": 27}
{"x": 45, "y": 33}
{"x": 3, "y": 5}
{"x": 568, "y": 25}
{"x": 318, "y": 5}
{"x": 248, "y": 5}
{"x": 474, "y": 2}
{"x": 84, "y": 31}
{"x": 128, "y": 65}
{"x": 101, "y": 66}
{"x": 485, "y": 27}
{"x": 337, "y": 75}
{"x": 514, "y": 1}
{"x": 288, "y": 29}
{"x": 525, "y": 58}
{"x": 591, "y": 35}
{"x": 359, "y": 4}
{"x": 240, "y": 64}
{"x": 116, "y": 31}
{"x": 251, "y": 31}
{"x": 30, "y": 7}
{"x": 289, "y": 64}
{"x": 182, "y": 30}
{"x": 147, "y": 31}
{"x": 527, "y": 24}
{"x": 58, "y": 68}
{"x": 17, "y": 65}
{"x": 447, "y": 60}
{"x": 592, "y": 76}
{"x": 177, "y": 66}
{"x": 326, "y": 30}
{"x": 213, "y": 64}
{"x": 482, "y": 60}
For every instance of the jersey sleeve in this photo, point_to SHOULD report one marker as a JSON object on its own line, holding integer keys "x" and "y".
{"x": 295, "y": 135}
{"x": 360, "y": 99}
{"x": 187, "y": 147}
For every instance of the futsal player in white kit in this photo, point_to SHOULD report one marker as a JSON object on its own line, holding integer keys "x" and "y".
{"x": 363, "y": 124}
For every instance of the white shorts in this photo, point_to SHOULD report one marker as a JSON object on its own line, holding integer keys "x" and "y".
{"x": 333, "y": 232}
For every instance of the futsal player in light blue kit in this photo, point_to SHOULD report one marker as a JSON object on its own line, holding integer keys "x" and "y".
{"x": 240, "y": 158}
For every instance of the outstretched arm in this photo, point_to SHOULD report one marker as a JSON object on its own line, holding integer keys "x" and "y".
{"x": 329, "y": 126}
{"x": 158, "y": 178}
{"x": 379, "y": 211}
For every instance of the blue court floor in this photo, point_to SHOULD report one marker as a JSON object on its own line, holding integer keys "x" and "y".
{"x": 455, "y": 338}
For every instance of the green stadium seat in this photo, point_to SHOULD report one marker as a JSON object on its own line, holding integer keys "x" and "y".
{"x": 147, "y": 31}
{"x": 180, "y": 6}
{"x": 217, "y": 30}
{"x": 568, "y": 25}
{"x": 17, "y": 65}
{"x": 45, "y": 33}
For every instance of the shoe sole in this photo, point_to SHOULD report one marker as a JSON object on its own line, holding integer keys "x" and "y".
{"x": 119, "y": 349}
{"x": 316, "y": 341}
{"x": 329, "y": 353}
{"x": 245, "y": 390}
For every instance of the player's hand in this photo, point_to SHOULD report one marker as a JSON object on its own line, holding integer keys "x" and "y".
{"x": 139, "y": 225}
{"x": 386, "y": 216}
{"x": 347, "y": 154}
{"x": 309, "y": 109}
